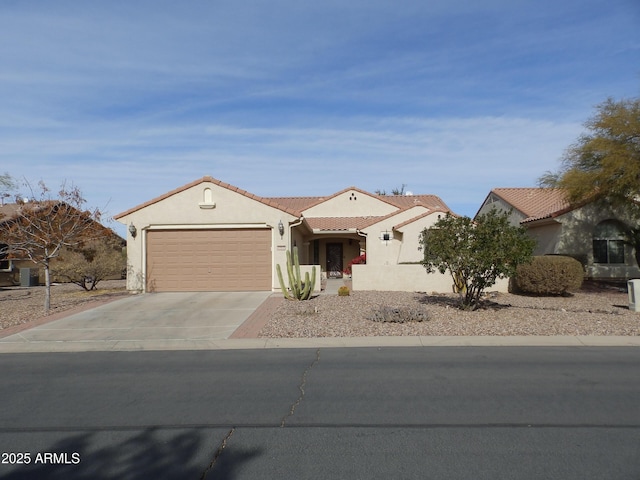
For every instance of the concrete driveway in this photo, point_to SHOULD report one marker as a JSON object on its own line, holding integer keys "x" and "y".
{"x": 144, "y": 322}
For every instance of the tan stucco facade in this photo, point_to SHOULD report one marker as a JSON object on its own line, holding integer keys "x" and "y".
{"x": 327, "y": 231}
{"x": 573, "y": 233}
{"x": 570, "y": 231}
{"x": 403, "y": 243}
{"x": 203, "y": 205}
{"x": 351, "y": 203}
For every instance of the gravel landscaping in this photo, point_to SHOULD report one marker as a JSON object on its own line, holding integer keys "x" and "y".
{"x": 592, "y": 311}
{"x": 21, "y": 305}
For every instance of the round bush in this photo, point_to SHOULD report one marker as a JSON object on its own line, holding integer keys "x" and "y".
{"x": 550, "y": 275}
{"x": 343, "y": 291}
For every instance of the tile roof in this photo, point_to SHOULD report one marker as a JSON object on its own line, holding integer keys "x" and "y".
{"x": 319, "y": 200}
{"x": 535, "y": 203}
{"x": 209, "y": 179}
{"x": 9, "y": 211}
{"x": 419, "y": 217}
{"x": 341, "y": 223}
{"x": 432, "y": 202}
{"x": 295, "y": 205}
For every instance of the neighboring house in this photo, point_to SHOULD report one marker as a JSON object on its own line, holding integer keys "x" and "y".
{"x": 209, "y": 235}
{"x": 12, "y": 268}
{"x": 591, "y": 232}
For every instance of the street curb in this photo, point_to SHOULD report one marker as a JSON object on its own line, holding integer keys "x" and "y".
{"x": 326, "y": 342}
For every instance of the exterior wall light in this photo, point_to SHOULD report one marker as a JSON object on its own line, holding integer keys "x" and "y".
{"x": 133, "y": 230}
{"x": 281, "y": 229}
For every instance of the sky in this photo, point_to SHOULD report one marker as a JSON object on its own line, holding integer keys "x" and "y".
{"x": 131, "y": 99}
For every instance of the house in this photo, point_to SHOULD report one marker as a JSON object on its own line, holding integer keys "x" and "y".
{"x": 10, "y": 268}
{"x": 590, "y": 232}
{"x": 13, "y": 270}
{"x": 209, "y": 235}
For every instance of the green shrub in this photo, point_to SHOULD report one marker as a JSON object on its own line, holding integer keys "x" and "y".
{"x": 343, "y": 291}
{"x": 549, "y": 275}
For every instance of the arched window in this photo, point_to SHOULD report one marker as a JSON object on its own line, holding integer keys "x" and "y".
{"x": 608, "y": 242}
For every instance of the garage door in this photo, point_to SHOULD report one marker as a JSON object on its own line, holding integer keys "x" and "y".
{"x": 208, "y": 260}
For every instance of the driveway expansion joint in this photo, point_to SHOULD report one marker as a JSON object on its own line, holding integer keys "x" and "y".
{"x": 303, "y": 383}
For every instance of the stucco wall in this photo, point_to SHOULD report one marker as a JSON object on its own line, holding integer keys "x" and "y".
{"x": 494, "y": 202}
{"x": 572, "y": 234}
{"x": 403, "y": 245}
{"x": 546, "y": 237}
{"x": 303, "y": 270}
{"x": 408, "y": 278}
{"x": 409, "y": 250}
{"x": 308, "y": 268}
{"x": 184, "y": 210}
{"x": 351, "y": 203}
{"x": 575, "y": 238}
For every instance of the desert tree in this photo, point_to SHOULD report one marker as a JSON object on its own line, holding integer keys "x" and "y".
{"x": 46, "y": 225}
{"x": 91, "y": 263}
{"x": 475, "y": 253}
{"x": 604, "y": 163}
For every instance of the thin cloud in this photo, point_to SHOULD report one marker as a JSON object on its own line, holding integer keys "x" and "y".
{"x": 452, "y": 97}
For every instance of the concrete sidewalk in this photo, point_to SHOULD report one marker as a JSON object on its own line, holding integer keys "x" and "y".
{"x": 281, "y": 343}
{"x": 224, "y": 320}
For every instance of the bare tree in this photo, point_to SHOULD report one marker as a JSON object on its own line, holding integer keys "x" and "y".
{"x": 395, "y": 191}
{"x": 7, "y": 185}
{"x": 45, "y": 226}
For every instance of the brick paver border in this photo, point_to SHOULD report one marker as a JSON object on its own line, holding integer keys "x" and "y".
{"x": 251, "y": 327}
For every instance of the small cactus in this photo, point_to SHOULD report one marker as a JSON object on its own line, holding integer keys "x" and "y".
{"x": 298, "y": 290}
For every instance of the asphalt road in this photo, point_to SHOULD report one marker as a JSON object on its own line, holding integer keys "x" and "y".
{"x": 352, "y": 413}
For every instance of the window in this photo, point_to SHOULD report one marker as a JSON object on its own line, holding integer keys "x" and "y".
{"x": 608, "y": 243}
{"x": 5, "y": 264}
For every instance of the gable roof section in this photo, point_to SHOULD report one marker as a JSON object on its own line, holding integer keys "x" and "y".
{"x": 332, "y": 224}
{"x": 9, "y": 211}
{"x": 208, "y": 179}
{"x": 319, "y": 200}
{"x": 535, "y": 203}
{"x": 341, "y": 223}
{"x": 420, "y": 217}
{"x": 297, "y": 203}
{"x": 432, "y": 202}
{"x": 12, "y": 211}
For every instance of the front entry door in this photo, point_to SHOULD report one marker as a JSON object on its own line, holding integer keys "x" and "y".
{"x": 334, "y": 260}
